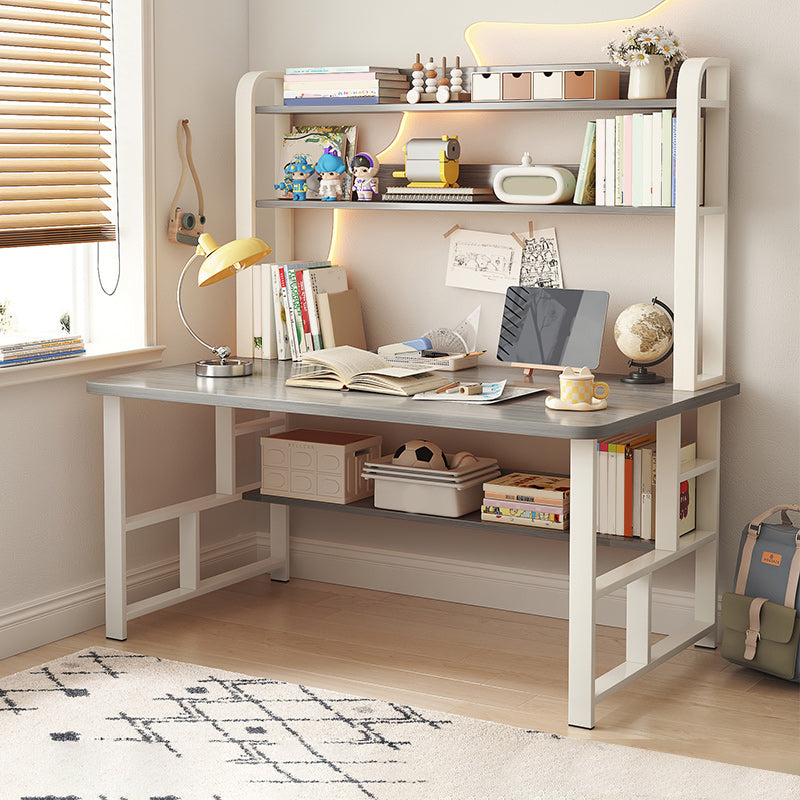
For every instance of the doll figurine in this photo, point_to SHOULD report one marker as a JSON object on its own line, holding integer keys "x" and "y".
{"x": 365, "y": 169}
{"x": 299, "y": 169}
{"x": 330, "y": 167}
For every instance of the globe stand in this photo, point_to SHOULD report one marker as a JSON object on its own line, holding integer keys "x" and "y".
{"x": 642, "y": 377}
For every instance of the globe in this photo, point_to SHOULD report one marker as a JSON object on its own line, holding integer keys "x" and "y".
{"x": 643, "y": 333}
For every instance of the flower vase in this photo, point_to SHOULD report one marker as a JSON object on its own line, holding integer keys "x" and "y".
{"x": 648, "y": 81}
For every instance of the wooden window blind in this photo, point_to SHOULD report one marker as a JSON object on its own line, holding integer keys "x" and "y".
{"x": 55, "y": 122}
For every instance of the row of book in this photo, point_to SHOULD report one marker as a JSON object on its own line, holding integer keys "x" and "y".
{"x": 30, "y": 350}
{"x": 628, "y": 160}
{"x": 520, "y": 498}
{"x": 331, "y": 86}
{"x": 626, "y": 487}
{"x": 308, "y": 303}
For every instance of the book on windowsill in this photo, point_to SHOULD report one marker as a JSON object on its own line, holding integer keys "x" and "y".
{"x": 348, "y": 367}
{"x": 27, "y": 349}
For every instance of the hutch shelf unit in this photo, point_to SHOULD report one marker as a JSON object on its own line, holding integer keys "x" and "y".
{"x": 698, "y": 385}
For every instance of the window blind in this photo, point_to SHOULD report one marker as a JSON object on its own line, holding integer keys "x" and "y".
{"x": 55, "y": 122}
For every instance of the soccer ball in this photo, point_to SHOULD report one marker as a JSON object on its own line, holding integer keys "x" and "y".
{"x": 421, "y": 454}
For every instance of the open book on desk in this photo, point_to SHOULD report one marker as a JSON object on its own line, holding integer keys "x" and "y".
{"x": 350, "y": 368}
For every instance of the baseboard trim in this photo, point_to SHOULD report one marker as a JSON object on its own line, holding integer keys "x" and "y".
{"x": 80, "y": 608}
{"x": 493, "y": 586}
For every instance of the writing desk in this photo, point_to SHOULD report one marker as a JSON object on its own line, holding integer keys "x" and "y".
{"x": 629, "y": 407}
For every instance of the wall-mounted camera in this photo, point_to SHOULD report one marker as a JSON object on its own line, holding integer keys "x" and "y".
{"x": 185, "y": 227}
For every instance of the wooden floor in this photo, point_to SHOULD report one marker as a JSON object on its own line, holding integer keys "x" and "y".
{"x": 494, "y": 665}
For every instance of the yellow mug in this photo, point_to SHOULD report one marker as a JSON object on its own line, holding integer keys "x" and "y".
{"x": 579, "y": 386}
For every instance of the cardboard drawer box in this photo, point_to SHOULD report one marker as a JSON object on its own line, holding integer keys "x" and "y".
{"x": 318, "y": 465}
{"x": 548, "y": 85}
{"x": 516, "y": 86}
{"x": 591, "y": 84}
{"x": 485, "y": 86}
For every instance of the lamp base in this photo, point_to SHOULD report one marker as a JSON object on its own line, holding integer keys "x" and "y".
{"x": 229, "y": 368}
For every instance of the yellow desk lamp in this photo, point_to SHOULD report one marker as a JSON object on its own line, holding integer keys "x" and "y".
{"x": 220, "y": 263}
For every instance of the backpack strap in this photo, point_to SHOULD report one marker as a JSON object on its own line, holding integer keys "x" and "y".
{"x": 753, "y": 633}
{"x": 753, "y": 529}
{"x": 794, "y": 575}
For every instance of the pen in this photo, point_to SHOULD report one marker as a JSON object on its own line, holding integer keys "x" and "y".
{"x": 445, "y": 388}
{"x": 476, "y": 353}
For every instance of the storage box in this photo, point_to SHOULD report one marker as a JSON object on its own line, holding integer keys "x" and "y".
{"x": 441, "y": 493}
{"x": 516, "y": 86}
{"x": 548, "y": 85}
{"x": 485, "y": 86}
{"x": 317, "y": 465}
{"x": 591, "y": 84}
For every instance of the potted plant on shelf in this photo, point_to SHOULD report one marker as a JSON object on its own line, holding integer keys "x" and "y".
{"x": 649, "y": 52}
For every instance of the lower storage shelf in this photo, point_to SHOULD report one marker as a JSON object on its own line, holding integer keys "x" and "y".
{"x": 474, "y": 521}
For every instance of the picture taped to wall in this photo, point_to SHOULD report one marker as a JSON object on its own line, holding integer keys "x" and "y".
{"x": 541, "y": 263}
{"x": 486, "y": 262}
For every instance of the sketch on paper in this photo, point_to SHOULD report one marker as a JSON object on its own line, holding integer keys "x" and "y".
{"x": 541, "y": 264}
{"x": 487, "y": 262}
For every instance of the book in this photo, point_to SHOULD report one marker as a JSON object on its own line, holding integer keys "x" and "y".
{"x": 279, "y": 317}
{"x": 647, "y": 498}
{"x": 257, "y": 303}
{"x": 618, "y": 159}
{"x": 324, "y": 70}
{"x": 610, "y": 168}
{"x": 600, "y": 163}
{"x": 322, "y": 281}
{"x": 340, "y": 319}
{"x": 52, "y": 355}
{"x": 337, "y": 101}
{"x": 656, "y": 169}
{"x": 687, "y": 492}
{"x": 13, "y": 345}
{"x": 674, "y": 155}
{"x": 334, "y": 77}
{"x": 627, "y": 160}
{"x": 544, "y": 508}
{"x": 355, "y": 369}
{"x": 647, "y": 160}
{"x": 305, "y": 321}
{"x": 290, "y": 302}
{"x": 585, "y": 182}
{"x": 666, "y": 157}
{"x": 531, "y": 519}
{"x": 637, "y": 159}
{"x": 351, "y": 92}
{"x": 294, "y": 309}
{"x": 329, "y": 87}
{"x": 520, "y": 485}
{"x": 435, "y": 194}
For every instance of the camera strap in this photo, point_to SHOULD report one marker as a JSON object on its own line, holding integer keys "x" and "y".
{"x": 185, "y": 153}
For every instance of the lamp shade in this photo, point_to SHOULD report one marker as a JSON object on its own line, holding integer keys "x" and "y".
{"x": 222, "y": 262}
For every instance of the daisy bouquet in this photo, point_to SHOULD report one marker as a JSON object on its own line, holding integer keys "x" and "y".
{"x": 638, "y": 45}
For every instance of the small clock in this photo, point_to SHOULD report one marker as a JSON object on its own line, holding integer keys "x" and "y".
{"x": 534, "y": 184}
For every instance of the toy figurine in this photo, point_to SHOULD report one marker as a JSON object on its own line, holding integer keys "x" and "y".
{"x": 330, "y": 167}
{"x": 365, "y": 169}
{"x": 299, "y": 169}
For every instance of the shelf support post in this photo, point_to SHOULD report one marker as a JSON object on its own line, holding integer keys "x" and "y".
{"x": 582, "y": 573}
{"x": 668, "y": 447}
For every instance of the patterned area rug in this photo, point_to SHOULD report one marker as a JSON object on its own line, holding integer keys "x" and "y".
{"x": 107, "y": 725}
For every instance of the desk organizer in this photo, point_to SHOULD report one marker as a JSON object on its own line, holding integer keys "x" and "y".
{"x": 546, "y": 82}
{"x": 317, "y": 465}
{"x": 441, "y": 493}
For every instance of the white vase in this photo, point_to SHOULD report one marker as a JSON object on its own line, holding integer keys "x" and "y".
{"x": 648, "y": 81}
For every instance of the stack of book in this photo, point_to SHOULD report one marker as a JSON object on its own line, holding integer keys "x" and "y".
{"x": 29, "y": 350}
{"x": 308, "y": 303}
{"x": 355, "y": 85}
{"x": 539, "y": 501}
{"x": 626, "y": 487}
{"x": 630, "y": 159}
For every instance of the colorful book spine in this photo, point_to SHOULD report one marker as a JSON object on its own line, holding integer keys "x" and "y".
{"x": 54, "y": 355}
{"x": 337, "y": 101}
{"x": 351, "y": 91}
{"x": 336, "y": 77}
{"x": 305, "y": 320}
{"x": 600, "y": 163}
{"x": 287, "y": 311}
{"x": 536, "y": 521}
{"x": 656, "y": 151}
{"x": 674, "y": 154}
{"x": 348, "y": 69}
{"x": 584, "y": 185}
{"x": 666, "y": 157}
{"x": 281, "y": 333}
{"x": 294, "y": 305}
{"x": 544, "y": 508}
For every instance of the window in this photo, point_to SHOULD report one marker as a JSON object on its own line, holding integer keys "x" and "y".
{"x": 58, "y": 178}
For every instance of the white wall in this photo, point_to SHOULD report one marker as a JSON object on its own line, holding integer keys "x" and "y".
{"x": 51, "y": 474}
{"x": 397, "y": 261}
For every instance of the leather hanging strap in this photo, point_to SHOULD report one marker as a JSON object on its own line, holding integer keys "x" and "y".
{"x": 753, "y": 633}
{"x": 753, "y": 529}
{"x": 185, "y": 154}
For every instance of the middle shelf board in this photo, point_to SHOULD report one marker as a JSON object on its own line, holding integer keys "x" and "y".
{"x": 506, "y": 208}
{"x": 366, "y": 508}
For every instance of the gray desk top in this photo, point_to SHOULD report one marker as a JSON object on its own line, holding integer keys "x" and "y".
{"x": 629, "y": 406}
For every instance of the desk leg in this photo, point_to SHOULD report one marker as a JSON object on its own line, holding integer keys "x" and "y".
{"x": 582, "y": 573}
{"x": 116, "y": 567}
{"x": 279, "y": 523}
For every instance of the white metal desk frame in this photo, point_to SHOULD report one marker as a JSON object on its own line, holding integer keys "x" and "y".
{"x": 585, "y": 586}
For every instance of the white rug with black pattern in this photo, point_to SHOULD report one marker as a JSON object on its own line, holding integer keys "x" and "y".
{"x": 107, "y": 725}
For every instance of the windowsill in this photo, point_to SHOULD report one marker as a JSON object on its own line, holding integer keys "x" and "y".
{"x": 96, "y": 359}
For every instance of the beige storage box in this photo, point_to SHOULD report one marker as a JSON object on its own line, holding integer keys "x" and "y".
{"x": 485, "y": 86}
{"x": 548, "y": 85}
{"x": 318, "y": 465}
{"x": 591, "y": 84}
{"x": 516, "y": 86}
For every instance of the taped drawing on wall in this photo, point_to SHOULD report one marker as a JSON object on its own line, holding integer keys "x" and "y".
{"x": 541, "y": 263}
{"x": 486, "y": 262}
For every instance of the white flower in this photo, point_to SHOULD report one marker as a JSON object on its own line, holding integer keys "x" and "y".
{"x": 638, "y": 58}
